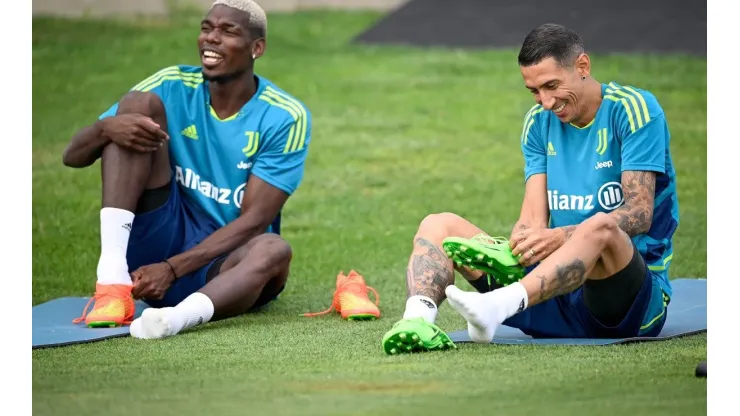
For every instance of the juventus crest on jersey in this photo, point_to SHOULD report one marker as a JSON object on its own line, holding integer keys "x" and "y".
{"x": 584, "y": 165}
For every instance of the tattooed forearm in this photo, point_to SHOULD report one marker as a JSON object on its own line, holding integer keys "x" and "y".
{"x": 635, "y": 216}
{"x": 430, "y": 271}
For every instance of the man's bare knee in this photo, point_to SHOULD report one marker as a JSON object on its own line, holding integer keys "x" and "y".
{"x": 144, "y": 103}
{"x": 267, "y": 252}
{"x": 601, "y": 230}
{"x": 439, "y": 221}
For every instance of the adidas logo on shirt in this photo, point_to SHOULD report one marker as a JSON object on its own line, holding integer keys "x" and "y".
{"x": 190, "y": 132}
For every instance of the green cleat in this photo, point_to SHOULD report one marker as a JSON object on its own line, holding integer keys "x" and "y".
{"x": 415, "y": 335}
{"x": 491, "y": 255}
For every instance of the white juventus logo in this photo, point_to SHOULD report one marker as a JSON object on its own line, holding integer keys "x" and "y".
{"x": 610, "y": 195}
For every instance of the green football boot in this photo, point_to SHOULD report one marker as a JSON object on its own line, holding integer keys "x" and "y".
{"x": 415, "y": 335}
{"x": 492, "y": 255}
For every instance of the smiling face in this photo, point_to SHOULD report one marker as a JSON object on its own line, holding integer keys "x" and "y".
{"x": 559, "y": 88}
{"x": 227, "y": 45}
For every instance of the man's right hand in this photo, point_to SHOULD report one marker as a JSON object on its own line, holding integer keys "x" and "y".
{"x": 134, "y": 132}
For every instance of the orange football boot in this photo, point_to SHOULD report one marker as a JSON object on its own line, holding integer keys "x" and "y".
{"x": 114, "y": 306}
{"x": 351, "y": 300}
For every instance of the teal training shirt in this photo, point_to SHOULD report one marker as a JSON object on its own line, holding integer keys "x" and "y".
{"x": 584, "y": 166}
{"x": 211, "y": 158}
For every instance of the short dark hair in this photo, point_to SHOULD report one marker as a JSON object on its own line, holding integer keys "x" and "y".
{"x": 551, "y": 40}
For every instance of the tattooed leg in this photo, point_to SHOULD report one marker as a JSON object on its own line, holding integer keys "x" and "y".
{"x": 597, "y": 248}
{"x": 428, "y": 273}
{"x": 429, "y": 269}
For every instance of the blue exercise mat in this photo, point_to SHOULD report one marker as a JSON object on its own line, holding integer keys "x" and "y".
{"x": 687, "y": 315}
{"x": 53, "y": 327}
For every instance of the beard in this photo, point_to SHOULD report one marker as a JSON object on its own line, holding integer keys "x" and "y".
{"x": 224, "y": 78}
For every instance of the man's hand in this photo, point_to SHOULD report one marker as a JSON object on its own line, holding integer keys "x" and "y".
{"x": 152, "y": 281}
{"x": 134, "y": 132}
{"x": 260, "y": 205}
{"x": 536, "y": 244}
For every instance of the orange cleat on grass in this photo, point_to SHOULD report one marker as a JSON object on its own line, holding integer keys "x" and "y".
{"x": 351, "y": 300}
{"x": 114, "y": 307}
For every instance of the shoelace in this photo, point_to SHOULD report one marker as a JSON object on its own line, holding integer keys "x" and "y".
{"x": 95, "y": 298}
{"x": 487, "y": 239}
{"x": 351, "y": 286}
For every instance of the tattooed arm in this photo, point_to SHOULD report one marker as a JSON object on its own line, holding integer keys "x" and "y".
{"x": 535, "y": 211}
{"x": 635, "y": 216}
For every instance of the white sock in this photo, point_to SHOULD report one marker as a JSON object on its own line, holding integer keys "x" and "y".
{"x": 196, "y": 309}
{"x": 115, "y": 229}
{"x": 154, "y": 323}
{"x": 486, "y": 312}
{"x": 419, "y": 306}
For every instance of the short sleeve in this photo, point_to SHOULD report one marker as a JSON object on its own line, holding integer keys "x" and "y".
{"x": 281, "y": 161}
{"x": 156, "y": 84}
{"x": 532, "y": 144}
{"x": 643, "y": 130}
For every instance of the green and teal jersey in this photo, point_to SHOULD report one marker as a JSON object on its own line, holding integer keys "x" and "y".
{"x": 584, "y": 166}
{"x": 212, "y": 158}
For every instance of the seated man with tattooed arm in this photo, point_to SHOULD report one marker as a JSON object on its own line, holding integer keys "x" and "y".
{"x": 595, "y": 228}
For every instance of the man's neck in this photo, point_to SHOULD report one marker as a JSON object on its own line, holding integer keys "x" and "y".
{"x": 228, "y": 97}
{"x": 593, "y": 102}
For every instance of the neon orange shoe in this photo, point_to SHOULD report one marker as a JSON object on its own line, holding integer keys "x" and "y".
{"x": 114, "y": 307}
{"x": 351, "y": 300}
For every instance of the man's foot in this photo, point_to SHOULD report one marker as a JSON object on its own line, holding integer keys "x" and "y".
{"x": 154, "y": 323}
{"x": 415, "y": 335}
{"x": 491, "y": 255}
{"x": 351, "y": 300}
{"x": 114, "y": 307}
{"x": 479, "y": 310}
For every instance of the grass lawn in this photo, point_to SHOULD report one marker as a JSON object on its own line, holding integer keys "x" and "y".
{"x": 398, "y": 133}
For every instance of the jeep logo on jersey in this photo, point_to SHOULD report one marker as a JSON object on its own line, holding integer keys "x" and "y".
{"x": 610, "y": 195}
{"x": 601, "y": 165}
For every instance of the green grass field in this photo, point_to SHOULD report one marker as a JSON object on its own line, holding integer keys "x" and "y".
{"x": 398, "y": 133}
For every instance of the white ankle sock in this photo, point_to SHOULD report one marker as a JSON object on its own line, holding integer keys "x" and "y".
{"x": 486, "y": 312}
{"x": 115, "y": 229}
{"x": 155, "y": 323}
{"x": 512, "y": 298}
{"x": 194, "y": 310}
{"x": 419, "y": 306}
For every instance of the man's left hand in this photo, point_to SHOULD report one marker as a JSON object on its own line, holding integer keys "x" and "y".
{"x": 152, "y": 281}
{"x": 536, "y": 244}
